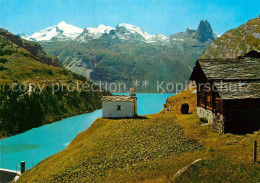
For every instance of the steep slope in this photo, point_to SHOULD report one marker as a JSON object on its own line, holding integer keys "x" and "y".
{"x": 127, "y": 53}
{"x": 121, "y": 63}
{"x": 23, "y": 107}
{"x": 32, "y": 47}
{"x": 236, "y": 42}
{"x": 23, "y": 61}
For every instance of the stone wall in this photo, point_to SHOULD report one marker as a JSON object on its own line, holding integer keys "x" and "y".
{"x": 218, "y": 123}
{"x": 214, "y": 119}
{"x": 203, "y": 113}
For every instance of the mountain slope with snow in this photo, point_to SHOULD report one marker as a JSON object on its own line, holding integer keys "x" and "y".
{"x": 125, "y": 31}
{"x": 62, "y": 31}
{"x": 94, "y": 33}
{"x": 122, "y": 32}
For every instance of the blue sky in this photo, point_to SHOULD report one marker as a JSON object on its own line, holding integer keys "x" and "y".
{"x": 154, "y": 16}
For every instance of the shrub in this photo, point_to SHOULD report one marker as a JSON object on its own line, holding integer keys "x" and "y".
{"x": 185, "y": 108}
{"x": 50, "y": 72}
{"x": 211, "y": 149}
{"x": 3, "y": 60}
{"x": 204, "y": 120}
{"x": 2, "y": 68}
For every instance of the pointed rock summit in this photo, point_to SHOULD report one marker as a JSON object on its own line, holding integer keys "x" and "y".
{"x": 204, "y": 31}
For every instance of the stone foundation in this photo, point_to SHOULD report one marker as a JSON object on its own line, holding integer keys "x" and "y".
{"x": 214, "y": 119}
{"x": 203, "y": 113}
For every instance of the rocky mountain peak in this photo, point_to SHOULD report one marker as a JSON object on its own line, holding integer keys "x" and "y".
{"x": 204, "y": 31}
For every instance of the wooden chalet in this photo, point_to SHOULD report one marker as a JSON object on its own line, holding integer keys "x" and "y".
{"x": 228, "y": 92}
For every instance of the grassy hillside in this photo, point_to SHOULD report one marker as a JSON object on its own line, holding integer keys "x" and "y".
{"x": 23, "y": 62}
{"x": 236, "y": 42}
{"x": 152, "y": 149}
{"x": 18, "y": 64}
{"x": 34, "y": 48}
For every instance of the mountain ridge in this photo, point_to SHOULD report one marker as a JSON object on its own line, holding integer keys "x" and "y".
{"x": 127, "y": 53}
{"x": 122, "y": 31}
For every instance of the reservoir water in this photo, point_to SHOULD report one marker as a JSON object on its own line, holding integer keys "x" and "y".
{"x": 39, "y": 143}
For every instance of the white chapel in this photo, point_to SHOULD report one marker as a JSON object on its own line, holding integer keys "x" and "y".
{"x": 120, "y": 106}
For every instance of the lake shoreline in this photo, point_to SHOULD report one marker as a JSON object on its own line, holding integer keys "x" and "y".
{"x": 1, "y": 138}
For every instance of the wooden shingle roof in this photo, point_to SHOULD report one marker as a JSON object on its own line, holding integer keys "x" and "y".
{"x": 231, "y": 69}
{"x": 238, "y": 89}
{"x": 233, "y": 78}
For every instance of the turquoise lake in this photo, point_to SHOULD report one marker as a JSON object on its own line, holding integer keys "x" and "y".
{"x": 39, "y": 143}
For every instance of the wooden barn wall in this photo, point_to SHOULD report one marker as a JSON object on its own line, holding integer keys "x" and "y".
{"x": 242, "y": 116}
{"x": 201, "y": 97}
{"x": 209, "y": 99}
{"x": 218, "y": 103}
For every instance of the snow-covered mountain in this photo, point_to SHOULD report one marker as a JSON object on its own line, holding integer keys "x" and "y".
{"x": 62, "y": 31}
{"x": 94, "y": 33}
{"x": 123, "y": 31}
